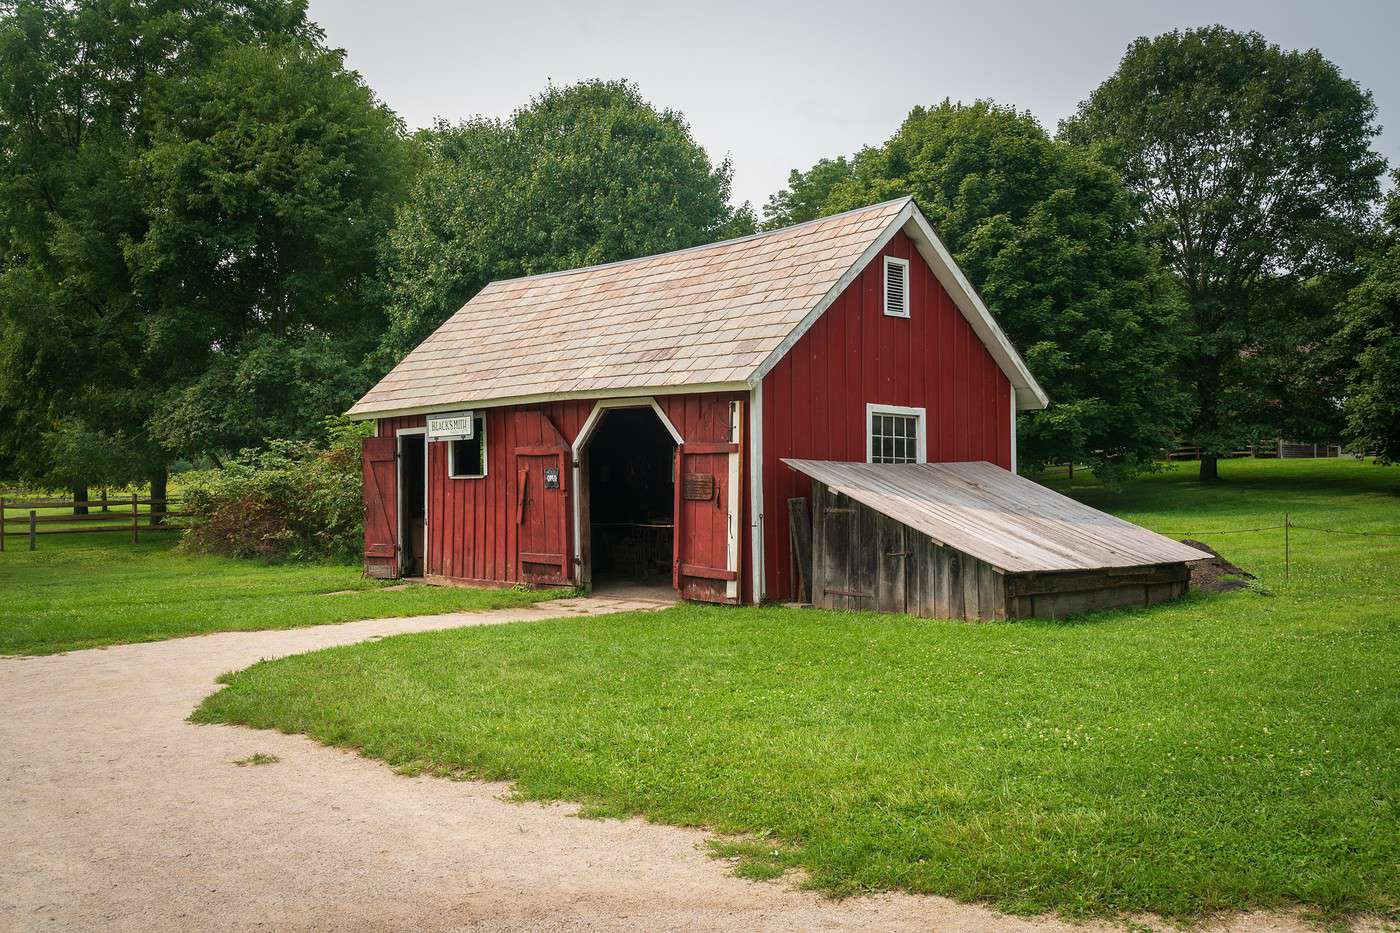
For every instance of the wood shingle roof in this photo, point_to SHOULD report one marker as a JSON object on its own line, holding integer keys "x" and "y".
{"x": 708, "y": 316}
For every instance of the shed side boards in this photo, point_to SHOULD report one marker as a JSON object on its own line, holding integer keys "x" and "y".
{"x": 473, "y": 533}
{"x": 865, "y": 560}
{"x": 813, "y": 401}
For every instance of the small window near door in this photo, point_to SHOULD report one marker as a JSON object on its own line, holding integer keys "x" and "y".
{"x": 467, "y": 459}
{"x": 896, "y": 435}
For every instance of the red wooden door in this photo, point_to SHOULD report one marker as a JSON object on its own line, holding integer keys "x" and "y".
{"x": 541, "y": 514}
{"x": 381, "y": 478}
{"x": 707, "y": 522}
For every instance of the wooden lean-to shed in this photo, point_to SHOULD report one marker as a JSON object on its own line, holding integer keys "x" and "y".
{"x": 971, "y": 540}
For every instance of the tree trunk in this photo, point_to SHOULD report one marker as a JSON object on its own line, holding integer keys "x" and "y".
{"x": 80, "y": 494}
{"x": 1206, "y": 431}
{"x": 159, "y": 482}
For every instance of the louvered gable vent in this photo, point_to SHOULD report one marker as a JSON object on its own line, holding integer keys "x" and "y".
{"x": 896, "y": 287}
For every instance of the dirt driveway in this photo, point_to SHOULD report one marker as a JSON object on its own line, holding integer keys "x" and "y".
{"x": 117, "y": 814}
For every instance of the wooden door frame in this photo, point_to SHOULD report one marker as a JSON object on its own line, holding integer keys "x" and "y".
{"x": 579, "y": 450}
{"x": 735, "y": 528}
{"x": 398, "y": 493}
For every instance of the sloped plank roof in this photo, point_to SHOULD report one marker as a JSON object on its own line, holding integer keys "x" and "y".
{"x": 702, "y": 316}
{"x": 1006, "y": 520}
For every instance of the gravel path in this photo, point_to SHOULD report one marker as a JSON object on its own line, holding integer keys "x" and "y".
{"x": 116, "y": 814}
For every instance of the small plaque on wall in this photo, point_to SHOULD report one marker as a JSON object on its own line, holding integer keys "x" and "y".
{"x": 698, "y": 486}
{"x": 551, "y": 477}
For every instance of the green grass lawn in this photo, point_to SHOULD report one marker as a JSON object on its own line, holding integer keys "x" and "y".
{"x": 1229, "y": 751}
{"x": 86, "y": 590}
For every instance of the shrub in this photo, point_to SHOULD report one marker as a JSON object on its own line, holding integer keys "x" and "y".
{"x": 290, "y": 500}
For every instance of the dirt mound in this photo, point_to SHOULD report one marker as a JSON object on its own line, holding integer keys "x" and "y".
{"x": 1214, "y": 572}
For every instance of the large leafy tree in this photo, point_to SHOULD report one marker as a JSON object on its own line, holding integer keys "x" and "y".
{"x": 269, "y": 183}
{"x": 806, "y": 193}
{"x": 1254, "y": 170}
{"x": 1047, "y": 235}
{"x": 1370, "y": 334}
{"x": 190, "y": 193}
{"x": 585, "y": 174}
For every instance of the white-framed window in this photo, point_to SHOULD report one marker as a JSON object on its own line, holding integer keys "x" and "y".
{"x": 895, "y": 434}
{"x": 467, "y": 459}
{"x": 896, "y": 286}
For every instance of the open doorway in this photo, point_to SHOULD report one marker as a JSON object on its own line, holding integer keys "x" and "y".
{"x": 413, "y": 478}
{"x": 631, "y": 503}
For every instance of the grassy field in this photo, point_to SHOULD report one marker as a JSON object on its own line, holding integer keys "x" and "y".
{"x": 86, "y": 590}
{"x": 1227, "y": 751}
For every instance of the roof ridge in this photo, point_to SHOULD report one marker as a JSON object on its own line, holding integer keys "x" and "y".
{"x": 698, "y": 246}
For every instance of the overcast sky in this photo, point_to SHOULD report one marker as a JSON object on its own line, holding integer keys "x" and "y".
{"x": 778, "y": 85}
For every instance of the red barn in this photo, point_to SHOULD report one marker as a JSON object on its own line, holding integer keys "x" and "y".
{"x": 629, "y": 421}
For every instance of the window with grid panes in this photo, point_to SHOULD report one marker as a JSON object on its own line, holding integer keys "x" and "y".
{"x": 894, "y": 438}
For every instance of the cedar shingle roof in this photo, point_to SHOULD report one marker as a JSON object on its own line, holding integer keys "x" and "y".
{"x": 701, "y": 316}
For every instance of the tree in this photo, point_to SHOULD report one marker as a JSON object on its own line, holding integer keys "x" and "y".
{"x": 1047, "y": 235}
{"x": 585, "y": 174}
{"x": 183, "y": 184}
{"x": 1254, "y": 170}
{"x": 1371, "y": 335}
{"x": 805, "y": 194}
{"x": 268, "y": 184}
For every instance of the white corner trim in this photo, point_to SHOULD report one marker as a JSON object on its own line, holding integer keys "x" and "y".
{"x": 734, "y": 529}
{"x": 885, "y": 286}
{"x": 756, "y": 490}
{"x": 921, "y": 416}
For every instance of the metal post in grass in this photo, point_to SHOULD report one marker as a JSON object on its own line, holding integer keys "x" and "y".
{"x": 33, "y": 530}
{"x": 135, "y": 518}
{"x": 2, "y": 523}
{"x": 1285, "y": 547}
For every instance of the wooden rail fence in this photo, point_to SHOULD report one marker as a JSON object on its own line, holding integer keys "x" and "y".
{"x": 119, "y": 515}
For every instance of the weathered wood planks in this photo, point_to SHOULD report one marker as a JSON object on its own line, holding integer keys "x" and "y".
{"x": 864, "y": 559}
{"x": 1000, "y": 518}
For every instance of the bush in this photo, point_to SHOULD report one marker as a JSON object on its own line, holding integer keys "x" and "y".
{"x": 291, "y": 500}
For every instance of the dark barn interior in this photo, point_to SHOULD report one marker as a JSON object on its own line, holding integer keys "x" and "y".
{"x": 631, "y": 497}
{"x": 412, "y": 479}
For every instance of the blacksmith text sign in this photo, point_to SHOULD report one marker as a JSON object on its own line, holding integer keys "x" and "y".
{"x": 452, "y": 426}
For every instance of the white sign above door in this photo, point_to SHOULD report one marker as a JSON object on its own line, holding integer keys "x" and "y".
{"x": 452, "y": 426}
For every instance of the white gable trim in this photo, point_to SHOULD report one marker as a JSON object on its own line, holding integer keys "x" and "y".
{"x": 871, "y": 251}
{"x": 1026, "y": 392}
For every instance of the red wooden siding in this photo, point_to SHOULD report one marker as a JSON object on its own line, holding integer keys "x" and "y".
{"x": 472, "y": 526}
{"x": 814, "y": 399}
